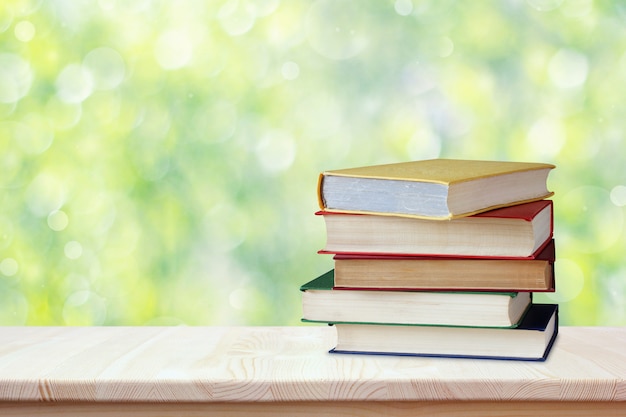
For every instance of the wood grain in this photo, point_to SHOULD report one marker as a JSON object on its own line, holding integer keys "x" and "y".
{"x": 201, "y": 365}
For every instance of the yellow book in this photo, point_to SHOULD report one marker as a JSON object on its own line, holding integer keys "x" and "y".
{"x": 433, "y": 189}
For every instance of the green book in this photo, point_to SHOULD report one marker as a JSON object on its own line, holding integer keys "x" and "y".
{"x": 321, "y": 302}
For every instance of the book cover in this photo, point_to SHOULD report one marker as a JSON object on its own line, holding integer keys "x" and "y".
{"x": 532, "y": 340}
{"x": 434, "y": 189}
{"x": 443, "y": 171}
{"x": 526, "y": 211}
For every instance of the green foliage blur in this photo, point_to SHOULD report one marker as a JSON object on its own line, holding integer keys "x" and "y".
{"x": 159, "y": 159}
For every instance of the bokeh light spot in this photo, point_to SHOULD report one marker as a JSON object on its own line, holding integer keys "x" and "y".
{"x": 417, "y": 78}
{"x": 403, "y": 7}
{"x": 239, "y": 298}
{"x": 62, "y": 115}
{"x": 24, "y": 31}
{"x": 14, "y": 311}
{"x": 424, "y": 145}
{"x": 6, "y": 19}
{"x": 544, "y": 5}
{"x": 568, "y": 69}
{"x": 106, "y": 66}
{"x": 237, "y": 17}
{"x": 290, "y": 70}
{"x": 107, "y": 4}
{"x": 276, "y": 151}
{"x": 335, "y": 30}
{"x": 45, "y": 194}
{"x": 226, "y": 226}
{"x": 58, "y": 220}
{"x": 618, "y": 195}
{"x": 173, "y": 50}
{"x": 11, "y": 160}
{"x": 577, "y": 8}
{"x": 84, "y": 308}
{"x": 546, "y": 137}
{"x": 262, "y": 8}
{"x": 7, "y": 232}
{"x": 9, "y": 267}
{"x": 16, "y": 78}
{"x": 73, "y": 249}
{"x": 320, "y": 114}
{"x": 614, "y": 297}
{"x": 74, "y": 84}
{"x": 215, "y": 122}
{"x": 594, "y": 225}
{"x": 122, "y": 235}
{"x": 445, "y": 47}
{"x": 34, "y": 136}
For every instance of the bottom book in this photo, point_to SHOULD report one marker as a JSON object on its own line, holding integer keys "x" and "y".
{"x": 532, "y": 340}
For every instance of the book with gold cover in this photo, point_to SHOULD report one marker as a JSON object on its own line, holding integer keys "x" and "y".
{"x": 438, "y": 189}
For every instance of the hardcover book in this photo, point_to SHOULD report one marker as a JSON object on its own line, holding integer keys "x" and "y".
{"x": 432, "y": 189}
{"x": 532, "y": 340}
{"x": 515, "y": 231}
{"x": 446, "y": 273}
{"x": 322, "y": 303}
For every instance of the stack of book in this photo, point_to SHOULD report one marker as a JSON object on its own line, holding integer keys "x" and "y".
{"x": 437, "y": 258}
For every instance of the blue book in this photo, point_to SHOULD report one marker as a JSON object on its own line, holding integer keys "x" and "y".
{"x": 532, "y": 340}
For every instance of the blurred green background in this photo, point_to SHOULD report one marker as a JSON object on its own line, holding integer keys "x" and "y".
{"x": 159, "y": 159}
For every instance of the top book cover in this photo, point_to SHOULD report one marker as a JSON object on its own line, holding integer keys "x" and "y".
{"x": 438, "y": 189}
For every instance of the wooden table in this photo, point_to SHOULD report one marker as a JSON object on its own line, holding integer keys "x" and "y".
{"x": 240, "y": 371}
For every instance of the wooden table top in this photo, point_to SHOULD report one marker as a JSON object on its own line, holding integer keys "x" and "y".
{"x": 242, "y": 364}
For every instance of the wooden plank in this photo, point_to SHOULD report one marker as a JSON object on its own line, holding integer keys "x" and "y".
{"x": 285, "y": 364}
{"x": 319, "y": 408}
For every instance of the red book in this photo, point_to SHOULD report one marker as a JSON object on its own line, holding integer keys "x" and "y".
{"x": 511, "y": 232}
{"x": 444, "y": 273}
